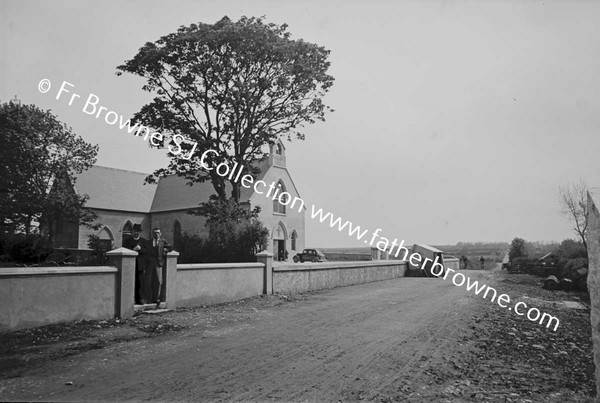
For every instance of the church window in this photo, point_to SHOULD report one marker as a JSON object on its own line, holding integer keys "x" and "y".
{"x": 105, "y": 238}
{"x": 279, "y": 205}
{"x": 127, "y": 231}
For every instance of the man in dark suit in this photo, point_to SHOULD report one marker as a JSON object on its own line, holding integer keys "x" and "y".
{"x": 140, "y": 245}
{"x": 159, "y": 248}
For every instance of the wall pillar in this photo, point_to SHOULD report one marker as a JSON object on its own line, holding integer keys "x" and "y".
{"x": 124, "y": 260}
{"x": 169, "y": 295}
{"x": 266, "y": 258}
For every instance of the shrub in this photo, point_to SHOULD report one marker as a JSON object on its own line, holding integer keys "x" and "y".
{"x": 191, "y": 248}
{"x": 22, "y": 248}
{"x": 99, "y": 248}
{"x": 249, "y": 239}
{"x": 571, "y": 249}
{"x": 235, "y": 234}
{"x": 523, "y": 262}
{"x": 240, "y": 245}
{"x": 570, "y": 266}
{"x": 517, "y": 249}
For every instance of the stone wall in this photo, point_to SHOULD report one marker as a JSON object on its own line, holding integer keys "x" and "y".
{"x": 203, "y": 284}
{"x": 35, "y": 296}
{"x": 39, "y": 296}
{"x": 302, "y": 277}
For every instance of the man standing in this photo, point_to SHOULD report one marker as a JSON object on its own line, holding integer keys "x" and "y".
{"x": 139, "y": 245}
{"x": 465, "y": 262}
{"x": 159, "y": 249}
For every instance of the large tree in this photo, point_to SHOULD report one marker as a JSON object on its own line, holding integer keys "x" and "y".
{"x": 571, "y": 249}
{"x": 573, "y": 202}
{"x": 233, "y": 87}
{"x": 518, "y": 248}
{"x": 39, "y": 159}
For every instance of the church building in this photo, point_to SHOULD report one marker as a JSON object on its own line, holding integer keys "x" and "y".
{"x": 121, "y": 199}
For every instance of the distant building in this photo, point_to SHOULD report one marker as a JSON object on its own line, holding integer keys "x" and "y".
{"x": 549, "y": 258}
{"x": 121, "y": 199}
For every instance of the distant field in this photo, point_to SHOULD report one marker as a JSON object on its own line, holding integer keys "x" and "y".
{"x": 346, "y": 254}
{"x": 470, "y": 249}
{"x": 490, "y": 262}
{"x": 492, "y": 254}
{"x": 346, "y": 250}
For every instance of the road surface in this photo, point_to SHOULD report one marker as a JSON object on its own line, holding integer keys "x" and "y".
{"x": 372, "y": 341}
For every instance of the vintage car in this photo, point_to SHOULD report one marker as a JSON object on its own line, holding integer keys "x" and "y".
{"x": 310, "y": 255}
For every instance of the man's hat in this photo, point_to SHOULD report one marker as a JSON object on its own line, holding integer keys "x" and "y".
{"x": 137, "y": 227}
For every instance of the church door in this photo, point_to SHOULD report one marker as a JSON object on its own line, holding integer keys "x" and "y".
{"x": 281, "y": 250}
{"x": 279, "y": 243}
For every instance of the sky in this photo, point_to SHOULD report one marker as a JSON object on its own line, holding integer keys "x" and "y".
{"x": 454, "y": 120}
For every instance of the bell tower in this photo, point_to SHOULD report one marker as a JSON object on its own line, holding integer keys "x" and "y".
{"x": 277, "y": 154}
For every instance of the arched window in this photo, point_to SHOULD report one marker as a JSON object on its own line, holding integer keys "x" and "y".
{"x": 127, "y": 231}
{"x": 176, "y": 234}
{"x": 294, "y": 238}
{"x": 106, "y": 237}
{"x": 279, "y": 149}
{"x": 279, "y": 207}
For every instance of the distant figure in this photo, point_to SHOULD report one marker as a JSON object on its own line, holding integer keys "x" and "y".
{"x": 139, "y": 245}
{"x": 465, "y": 262}
{"x": 482, "y": 261}
{"x": 158, "y": 249}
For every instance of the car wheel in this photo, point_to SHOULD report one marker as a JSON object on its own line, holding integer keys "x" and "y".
{"x": 295, "y": 259}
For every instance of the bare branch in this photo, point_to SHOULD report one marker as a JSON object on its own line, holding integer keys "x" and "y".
{"x": 573, "y": 202}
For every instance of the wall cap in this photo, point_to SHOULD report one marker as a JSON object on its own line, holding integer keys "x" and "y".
{"x": 121, "y": 252}
{"x": 337, "y": 265}
{"x": 264, "y": 253}
{"x": 56, "y": 271}
{"x": 209, "y": 266}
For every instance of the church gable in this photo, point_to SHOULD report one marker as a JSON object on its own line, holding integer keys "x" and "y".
{"x": 121, "y": 198}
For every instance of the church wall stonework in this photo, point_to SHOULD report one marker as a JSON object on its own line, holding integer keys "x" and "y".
{"x": 292, "y": 220}
{"x": 189, "y": 223}
{"x": 114, "y": 221}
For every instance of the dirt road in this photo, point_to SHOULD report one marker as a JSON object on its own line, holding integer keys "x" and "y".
{"x": 412, "y": 339}
{"x": 361, "y": 342}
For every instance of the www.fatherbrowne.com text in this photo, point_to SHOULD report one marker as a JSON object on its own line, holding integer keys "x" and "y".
{"x": 92, "y": 107}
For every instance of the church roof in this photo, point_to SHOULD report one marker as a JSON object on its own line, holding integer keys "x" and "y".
{"x": 115, "y": 189}
{"x": 118, "y": 189}
{"x": 173, "y": 193}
